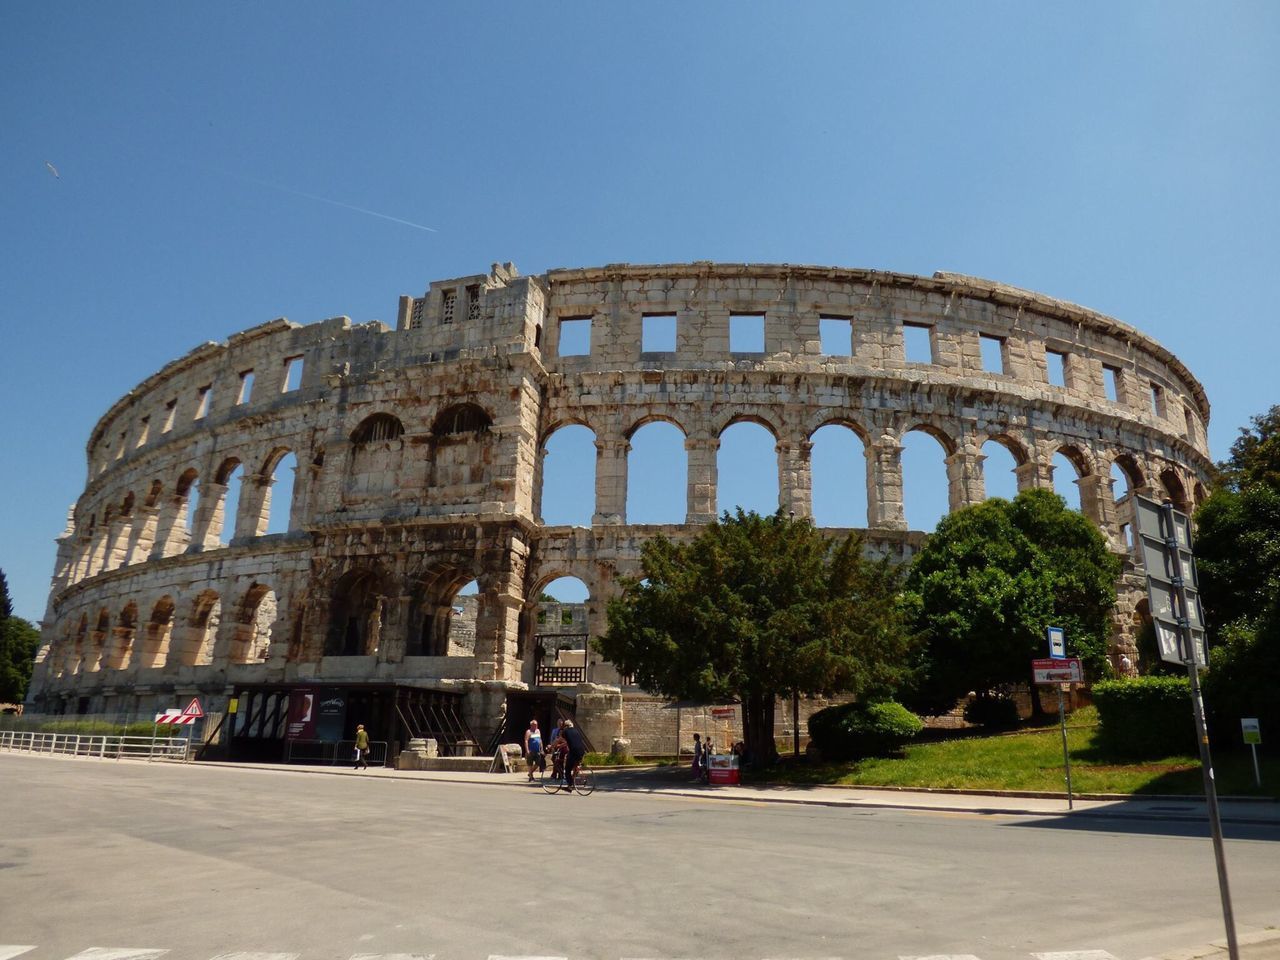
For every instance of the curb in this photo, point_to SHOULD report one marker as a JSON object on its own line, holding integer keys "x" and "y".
{"x": 1218, "y": 948}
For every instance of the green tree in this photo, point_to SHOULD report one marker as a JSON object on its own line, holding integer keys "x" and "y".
{"x": 992, "y": 578}
{"x": 756, "y": 608}
{"x": 1255, "y": 456}
{"x": 19, "y": 641}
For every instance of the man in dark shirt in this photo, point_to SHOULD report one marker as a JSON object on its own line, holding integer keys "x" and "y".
{"x": 577, "y": 748}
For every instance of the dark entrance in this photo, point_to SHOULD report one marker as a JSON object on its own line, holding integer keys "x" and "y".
{"x": 548, "y": 707}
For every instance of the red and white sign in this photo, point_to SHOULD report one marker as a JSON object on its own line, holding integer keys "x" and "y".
{"x": 178, "y": 719}
{"x": 724, "y": 713}
{"x": 723, "y": 768}
{"x": 1069, "y": 670}
{"x": 193, "y": 709}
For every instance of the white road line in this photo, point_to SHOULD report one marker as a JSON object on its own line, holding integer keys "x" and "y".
{"x": 386, "y": 956}
{"x": 118, "y": 953}
{"x": 943, "y": 956}
{"x": 9, "y": 951}
{"x": 1076, "y": 955}
{"x": 507, "y": 956}
{"x": 246, "y": 955}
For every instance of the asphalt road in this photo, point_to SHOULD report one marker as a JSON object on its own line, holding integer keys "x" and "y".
{"x": 203, "y": 861}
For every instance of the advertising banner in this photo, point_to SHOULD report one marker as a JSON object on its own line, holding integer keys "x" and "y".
{"x": 331, "y": 715}
{"x": 302, "y": 715}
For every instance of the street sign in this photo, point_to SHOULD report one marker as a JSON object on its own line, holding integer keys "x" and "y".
{"x": 1057, "y": 643}
{"x": 1173, "y": 585}
{"x": 1251, "y": 730}
{"x": 1049, "y": 672}
{"x": 723, "y": 713}
{"x": 172, "y": 716}
{"x": 193, "y": 709}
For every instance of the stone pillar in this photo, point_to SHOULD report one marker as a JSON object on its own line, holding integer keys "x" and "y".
{"x": 702, "y": 478}
{"x": 171, "y": 531}
{"x": 373, "y": 628}
{"x": 1034, "y": 475}
{"x": 1098, "y": 504}
{"x": 966, "y": 484}
{"x": 795, "y": 477}
{"x": 395, "y": 635}
{"x": 611, "y": 481}
{"x": 209, "y": 515}
{"x": 884, "y": 484}
{"x": 254, "y": 510}
{"x": 120, "y": 651}
{"x": 117, "y": 544}
{"x": 498, "y": 630}
{"x": 143, "y": 536}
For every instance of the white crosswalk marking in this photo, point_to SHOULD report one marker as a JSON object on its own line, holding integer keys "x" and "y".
{"x": 8, "y": 952}
{"x": 504, "y": 956}
{"x": 394, "y": 956}
{"x": 1076, "y": 955}
{"x": 118, "y": 953}
{"x": 943, "y": 956}
{"x": 245, "y": 955}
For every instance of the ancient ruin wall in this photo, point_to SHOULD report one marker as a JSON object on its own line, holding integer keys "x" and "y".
{"x": 419, "y": 456}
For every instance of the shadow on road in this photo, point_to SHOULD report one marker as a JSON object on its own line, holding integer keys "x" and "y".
{"x": 1155, "y": 820}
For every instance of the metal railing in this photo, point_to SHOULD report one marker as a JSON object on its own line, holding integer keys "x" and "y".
{"x": 332, "y": 752}
{"x": 551, "y": 676}
{"x": 102, "y": 746}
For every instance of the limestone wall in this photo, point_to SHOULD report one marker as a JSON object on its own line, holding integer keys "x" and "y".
{"x": 419, "y": 455}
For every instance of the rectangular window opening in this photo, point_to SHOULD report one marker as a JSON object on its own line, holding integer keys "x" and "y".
{"x": 202, "y": 404}
{"x": 836, "y": 334}
{"x": 917, "y": 343}
{"x": 473, "y": 302}
{"x": 170, "y": 409}
{"x": 144, "y": 430}
{"x": 1157, "y": 400}
{"x": 746, "y": 333}
{"x": 658, "y": 333}
{"x": 246, "y": 387}
{"x": 575, "y": 336}
{"x": 1190, "y": 420}
{"x": 121, "y": 445}
{"x": 292, "y": 374}
{"x": 1111, "y": 382}
{"x": 992, "y": 354}
{"x": 1056, "y": 362}
{"x": 449, "y": 305}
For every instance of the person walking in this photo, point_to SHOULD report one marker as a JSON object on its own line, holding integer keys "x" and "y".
{"x": 533, "y": 754}
{"x": 362, "y": 747}
{"x": 698, "y": 756}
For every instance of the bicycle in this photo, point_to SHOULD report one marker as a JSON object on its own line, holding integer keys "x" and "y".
{"x": 584, "y": 781}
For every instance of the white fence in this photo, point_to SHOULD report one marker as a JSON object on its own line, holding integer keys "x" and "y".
{"x": 102, "y": 746}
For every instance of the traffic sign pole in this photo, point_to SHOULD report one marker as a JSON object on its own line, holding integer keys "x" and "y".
{"x": 1202, "y": 733}
{"x": 1066, "y": 756}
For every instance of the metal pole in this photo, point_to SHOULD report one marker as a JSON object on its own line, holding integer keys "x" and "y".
{"x": 1257, "y": 774}
{"x": 1066, "y": 757}
{"x": 1202, "y": 732}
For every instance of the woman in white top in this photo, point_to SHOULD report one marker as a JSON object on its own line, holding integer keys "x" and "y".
{"x": 533, "y": 754}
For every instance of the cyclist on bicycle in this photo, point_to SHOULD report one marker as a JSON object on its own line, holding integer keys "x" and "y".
{"x": 577, "y": 745}
{"x": 559, "y": 750}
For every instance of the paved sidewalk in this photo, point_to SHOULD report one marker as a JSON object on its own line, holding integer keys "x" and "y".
{"x": 672, "y": 783}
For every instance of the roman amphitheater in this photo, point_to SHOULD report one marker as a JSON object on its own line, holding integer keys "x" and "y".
{"x": 420, "y": 457}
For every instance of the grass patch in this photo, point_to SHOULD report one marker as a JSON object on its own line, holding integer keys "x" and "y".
{"x": 1033, "y": 761}
{"x": 609, "y": 760}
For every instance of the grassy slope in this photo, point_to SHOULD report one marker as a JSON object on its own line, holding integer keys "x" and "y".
{"x": 1033, "y": 761}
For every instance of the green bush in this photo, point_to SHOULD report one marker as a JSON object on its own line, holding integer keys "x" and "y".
{"x": 992, "y": 711}
{"x": 1242, "y": 681}
{"x": 1145, "y": 716}
{"x": 850, "y": 731}
{"x": 98, "y": 728}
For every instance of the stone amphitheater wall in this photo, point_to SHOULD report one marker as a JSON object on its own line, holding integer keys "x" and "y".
{"x": 420, "y": 454}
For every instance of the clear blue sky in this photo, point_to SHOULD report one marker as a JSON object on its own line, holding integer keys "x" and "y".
{"x": 1121, "y": 156}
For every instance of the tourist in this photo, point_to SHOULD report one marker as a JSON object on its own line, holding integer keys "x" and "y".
{"x": 362, "y": 747}
{"x": 533, "y": 749}
{"x": 698, "y": 757}
{"x": 577, "y": 745}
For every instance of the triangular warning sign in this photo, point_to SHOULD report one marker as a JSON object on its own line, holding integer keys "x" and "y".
{"x": 193, "y": 709}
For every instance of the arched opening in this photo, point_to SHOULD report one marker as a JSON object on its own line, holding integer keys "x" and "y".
{"x": 102, "y": 630}
{"x": 747, "y": 469}
{"x": 560, "y": 650}
{"x": 226, "y": 513}
{"x": 1198, "y": 494}
{"x": 206, "y": 615}
{"x": 357, "y": 614}
{"x": 1174, "y": 490}
{"x": 569, "y": 477}
{"x": 460, "y": 448}
{"x": 838, "y": 467}
{"x": 999, "y": 469}
{"x": 187, "y": 492}
{"x": 256, "y": 616}
{"x": 155, "y": 643}
{"x": 1068, "y": 468}
{"x": 657, "y": 474}
{"x": 443, "y": 619}
{"x": 925, "y": 486}
{"x": 377, "y": 451}
{"x": 79, "y": 649}
{"x": 277, "y": 497}
{"x": 1144, "y": 638}
{"x": 1121, "y": 494}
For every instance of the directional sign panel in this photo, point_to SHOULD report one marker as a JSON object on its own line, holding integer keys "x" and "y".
{"x": 1052, "y": 671}
{"x": 1165, "y": 536}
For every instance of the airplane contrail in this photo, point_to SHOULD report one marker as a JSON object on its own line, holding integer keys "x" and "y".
{"x": 329, "y": 200}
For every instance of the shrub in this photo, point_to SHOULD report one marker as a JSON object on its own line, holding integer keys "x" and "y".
{"x": 992, "y": 711}
{"x": 1242, "y": 681}
{"x": 849, "y": 731}
{"x": 1145, "y": 716}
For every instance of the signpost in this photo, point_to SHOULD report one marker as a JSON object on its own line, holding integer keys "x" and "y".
{"x": 1252, "y": 736}
{"x": 1061, "y": 671}
{"x": 1173, "y": 589}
